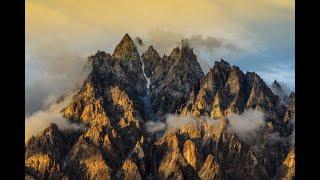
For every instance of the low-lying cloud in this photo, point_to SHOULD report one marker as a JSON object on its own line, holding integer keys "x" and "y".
{"x": 175, "y": 122}
{"x": 247, "y": 124}
{"x": 41, "y": 119}
{"x": 154, "y": 127}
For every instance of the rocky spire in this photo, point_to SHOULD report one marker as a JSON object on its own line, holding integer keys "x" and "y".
{"x": 277, "y": 89}
{"x": 126, "y": 49}
{"x": 259, "y": 94}
{"x": 151, "y": 60}
{"x": 177, "y": 74}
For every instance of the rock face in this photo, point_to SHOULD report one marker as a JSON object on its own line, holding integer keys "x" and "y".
{"x": 114, "y": 106}
{"x": 45, "y": 153}
{"x": 287, "y": 169}
{"x": 226, "y": 90}
{"x": 210, "y": 169}
{"x": 172, "y": 80}
{"x": 151, "y": 60}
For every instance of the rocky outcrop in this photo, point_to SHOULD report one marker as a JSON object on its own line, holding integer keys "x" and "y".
{"x": 172, "y": 80}
{"x": 226, "y": 90}
{"x": 85, "y": 161}
{"x": 45, "y": 153}
{"x": 151, "y": 60}
{"x": 126, "y": 49}
{"x": 210, "y": 169}
{"x": 130, "y": 171}
{"x": 277, "y": 89}
{"x": 287, "y": 169}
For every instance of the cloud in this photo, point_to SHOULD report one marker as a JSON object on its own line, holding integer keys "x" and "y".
{"x": 139, "y": 41}
{"x": 207, "y": 48}
{"x": 231, "y": 47}
{"x": 40, "y": 120}
{"x": 244, "y": 125}
{"x": 208, "y": 42}
{"x": 51, "y": 72}
{"x": 247, "y": 124}
{"x": 153, "y": 127}
{"x": 174, "y": 122}
{"x": 164, "y": 41}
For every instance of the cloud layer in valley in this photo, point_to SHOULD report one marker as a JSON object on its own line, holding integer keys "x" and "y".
{"x": 245, "y": 125}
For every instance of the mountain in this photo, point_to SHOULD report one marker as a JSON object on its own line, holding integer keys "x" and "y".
{"x": 191, "y": 114}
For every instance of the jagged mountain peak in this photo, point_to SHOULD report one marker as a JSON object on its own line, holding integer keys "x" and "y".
{"x": 219, "y": 66}
{"x": 151, "y": 48}
{"x": 175, "y": 51}
{"x": 151, "y": 53}
{"x": 100, "y": 53}
{"x": 277, "y": 89}
{"x": 151, "y": 60}
{"x": 185, "y": 43}
{"x": 235, "y": 68}
{"x": 222, "y": 63}
{"x": 253, "y": 75}
{"x": 126, "y": 49}
{"x": 184, "y": 50}
{"x": 276, "y": 84}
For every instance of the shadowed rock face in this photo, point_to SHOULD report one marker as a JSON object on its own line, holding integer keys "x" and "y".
{"x": 151, "y": 60}
{"x": 172, "y": 80}
{"x": 115, "y": 144}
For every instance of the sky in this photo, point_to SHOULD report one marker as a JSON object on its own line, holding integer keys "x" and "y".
{"x": 254, "y": 35}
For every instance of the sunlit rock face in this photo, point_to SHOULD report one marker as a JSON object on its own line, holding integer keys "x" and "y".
{"x": 287, "y": 169}
{"x": 199, "y": 143}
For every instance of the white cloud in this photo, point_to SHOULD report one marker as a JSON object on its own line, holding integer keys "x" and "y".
{"x": 247, "y": 124}
{"x": 41, "y": 119}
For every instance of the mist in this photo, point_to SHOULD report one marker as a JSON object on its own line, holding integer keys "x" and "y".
{"x": 50, "y": 73}
{"x": 207, "y": 48}
{"x": 154, "y": 127}
{"x": 285, "y": 90}
{"x": 247, "y": 124}
{"x": 38, "y": 121}
{"x": 175, "y": 122}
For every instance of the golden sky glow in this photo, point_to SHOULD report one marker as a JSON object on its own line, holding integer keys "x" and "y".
{"x": 79, "y": 20}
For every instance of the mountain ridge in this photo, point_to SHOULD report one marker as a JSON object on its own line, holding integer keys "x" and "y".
{"x": 116, "y": 144}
